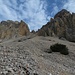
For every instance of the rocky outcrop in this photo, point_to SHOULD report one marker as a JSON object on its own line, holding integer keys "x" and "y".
{"x": 9, "y": 29}
{"x": 62, "y": 25}
{"x": 23, "y": 28}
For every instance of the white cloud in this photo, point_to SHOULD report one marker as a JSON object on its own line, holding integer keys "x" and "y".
{"x": 70, "y": 5}
{"x": 55, "y": 9}
{"x": 6, "y": 12}
{"x": 33, "y": 11}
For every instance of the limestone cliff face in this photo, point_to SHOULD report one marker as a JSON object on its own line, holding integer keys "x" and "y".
{"x": 63, "y": 25}
{"x": 9, "y": 29}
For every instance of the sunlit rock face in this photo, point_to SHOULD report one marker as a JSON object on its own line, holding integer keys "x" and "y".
{"x": 23, "y": 28}
{"x": 62, "y": 25}
{"x": 9, "y": 29}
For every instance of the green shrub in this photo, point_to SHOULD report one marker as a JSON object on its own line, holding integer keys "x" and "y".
{"x": 59, "y": 48}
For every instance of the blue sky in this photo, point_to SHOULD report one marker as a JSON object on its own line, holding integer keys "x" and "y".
{"x": 34, "y": 12}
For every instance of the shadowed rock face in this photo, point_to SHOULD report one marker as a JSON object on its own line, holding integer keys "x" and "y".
{"x": 63, "y": 25}
{"x": 9, "y": 29}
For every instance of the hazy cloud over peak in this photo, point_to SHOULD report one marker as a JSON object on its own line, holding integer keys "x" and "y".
{"x": 70, "y": 5}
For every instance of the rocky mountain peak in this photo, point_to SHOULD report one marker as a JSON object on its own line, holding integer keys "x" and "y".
{"x": 62, "y": 13}
{"x": 9, "y": 29}
{"x": 23, "y": 28}
{"x": 63, "y": 25}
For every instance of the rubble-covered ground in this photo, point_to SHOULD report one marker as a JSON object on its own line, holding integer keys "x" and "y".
{"x": 29, "y": 56}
